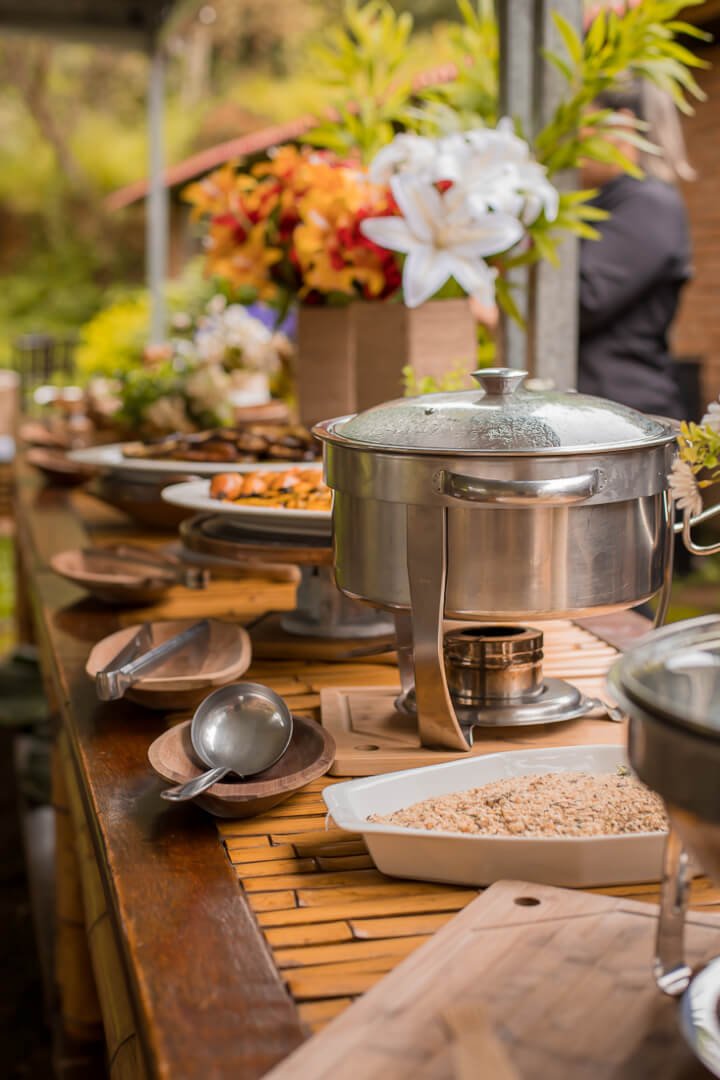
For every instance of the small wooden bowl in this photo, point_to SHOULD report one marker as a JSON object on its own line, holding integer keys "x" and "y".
{"x": 137, "y": 586}
{"x": 55, "y": 465}
{"x": 140, "y": 500}
{"x": 187, "y": 678}
{"x": 310, "y": 754}
{"x": 35, "y": 433}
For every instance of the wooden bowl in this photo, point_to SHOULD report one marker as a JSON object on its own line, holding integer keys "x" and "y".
{"x": 55, "y": 465}
{"x": 310, "y": 754}
{"x": 136, "y": 586}
{"x": 140, "y": 500}
{"x": 35, "y": 433}
{"x": 187, "y": 678}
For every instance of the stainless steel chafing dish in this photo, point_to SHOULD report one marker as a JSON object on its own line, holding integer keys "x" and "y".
{"x": 500, "y": 503}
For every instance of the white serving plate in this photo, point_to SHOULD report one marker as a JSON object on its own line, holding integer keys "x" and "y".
{"x": 111, "y": 457}
{"x": 463, "y": 859}
{"x": 195, "y": 495}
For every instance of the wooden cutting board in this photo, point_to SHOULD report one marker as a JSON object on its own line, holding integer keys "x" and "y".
{"x": 371, "y": 737}
{"x": 527, "y": 983}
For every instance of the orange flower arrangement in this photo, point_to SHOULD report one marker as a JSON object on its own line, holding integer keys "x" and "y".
{"x": 290, "y": 227}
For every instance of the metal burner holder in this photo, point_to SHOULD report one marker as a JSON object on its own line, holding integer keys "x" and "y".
{"x": 446, "y": 722}
{"x": 494, "y": 679}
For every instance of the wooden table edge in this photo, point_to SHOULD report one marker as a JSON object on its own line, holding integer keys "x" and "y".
{"x": 251, "y": 1046}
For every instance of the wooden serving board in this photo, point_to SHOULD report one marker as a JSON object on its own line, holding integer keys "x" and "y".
{"x": 371, "y": 737}
{"x": 527, "y": 983}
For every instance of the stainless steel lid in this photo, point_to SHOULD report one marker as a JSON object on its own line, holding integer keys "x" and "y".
{"x": 505, "y": 418}
{"x": 674, "y": 675}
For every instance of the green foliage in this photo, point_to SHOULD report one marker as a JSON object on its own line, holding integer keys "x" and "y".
{"x": 50, "y": 292}
{"x": 363, "y": 58}
{"x": 457, "y": 379}
{"x": 472, "y": 97}
{"x": 699, "y": 446}
{"x": 141, "y": 387}
{"x": 641, "y": 42}
{"x": 112, "y": 342}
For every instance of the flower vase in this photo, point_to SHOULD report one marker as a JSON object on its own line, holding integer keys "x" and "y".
{"x": 351, "y": 358}
{"x": 324, "y": 363}
{"x": 434, "y": 339}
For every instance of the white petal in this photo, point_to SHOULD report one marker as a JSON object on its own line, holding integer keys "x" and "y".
{"x": 425, "y": 271}
{"x": 475, "y": 277}
{"x": 532, "y": 208}
{"x": 551, "y": 200}
{"x": 389, "y": 232}
{"x": 420, "y": 204}
{"x": 452, "y": 154}
{"x": 406, "y": 151}
{"x": 489, "y": 235}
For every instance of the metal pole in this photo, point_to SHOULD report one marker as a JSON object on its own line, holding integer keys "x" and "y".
{"x": 553, "y": 298}
{"x": 530, "y": 89}
{"x": 516, "y": 23}
{"x": 156, "y": 214}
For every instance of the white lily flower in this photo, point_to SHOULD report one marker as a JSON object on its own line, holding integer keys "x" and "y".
{"x": 442, "y": 239}
{"x": 684, "y": 488}
{"x": 496, "y": 168}
{"x": 406, "y": 151}
{"x": 521, "y": 190}
{"x": 711, "y": 419}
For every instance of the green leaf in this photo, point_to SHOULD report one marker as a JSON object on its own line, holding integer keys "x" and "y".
{"x": 605, "y": 152}
{"x": 686, "y": 29}
{"x": 596, "y": 34}
{"x": 557, "y": 61}
{"x": 570, "y": 37}
{"x": 506, "y": 301}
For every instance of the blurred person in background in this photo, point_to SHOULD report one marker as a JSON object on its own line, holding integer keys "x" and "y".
{"x": 632, "y": 277}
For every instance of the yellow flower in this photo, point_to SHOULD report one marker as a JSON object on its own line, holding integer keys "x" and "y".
{"x": 244, "y": 264}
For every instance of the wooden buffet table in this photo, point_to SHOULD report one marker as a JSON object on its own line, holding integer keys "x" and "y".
{"x": 208, "y": 950}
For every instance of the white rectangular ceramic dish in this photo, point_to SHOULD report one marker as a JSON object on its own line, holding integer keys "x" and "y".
{"x": 479, "y": 860}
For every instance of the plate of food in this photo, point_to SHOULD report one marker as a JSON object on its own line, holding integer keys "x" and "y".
{"x": 293, "y": 500}
{"x": 572, "y": 816}
{"x": 207, "y": 453}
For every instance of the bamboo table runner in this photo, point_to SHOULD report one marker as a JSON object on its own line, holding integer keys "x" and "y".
{"x": 336, "y": 925}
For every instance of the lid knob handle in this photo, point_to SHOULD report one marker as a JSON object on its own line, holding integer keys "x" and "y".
{"x": 499, "y": 381}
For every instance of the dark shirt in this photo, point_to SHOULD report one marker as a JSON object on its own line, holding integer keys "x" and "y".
{"x": 630, "y": 283}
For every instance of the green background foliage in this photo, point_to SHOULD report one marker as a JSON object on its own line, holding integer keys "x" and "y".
{"x": 72, "y": 121}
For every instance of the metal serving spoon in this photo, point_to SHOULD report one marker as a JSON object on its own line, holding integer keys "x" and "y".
{"x": 244, "y": 728}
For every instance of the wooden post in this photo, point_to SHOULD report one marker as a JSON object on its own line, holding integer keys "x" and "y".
{"x": 530, "y": 89}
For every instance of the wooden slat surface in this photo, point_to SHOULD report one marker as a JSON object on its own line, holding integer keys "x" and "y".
{"x": 338, "y": 926}
{"x": 528, "y": 983}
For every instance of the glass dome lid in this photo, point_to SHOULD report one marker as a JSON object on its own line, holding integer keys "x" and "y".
{"x": 674, "y": 674}
{"x": 502, "y": 417}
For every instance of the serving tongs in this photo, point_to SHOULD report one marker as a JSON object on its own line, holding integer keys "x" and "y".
{"x": 138, "y": 658}
{"x": 135, "y": 559}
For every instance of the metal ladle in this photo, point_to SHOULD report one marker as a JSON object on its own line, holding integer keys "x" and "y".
{"x": 243, "y": 728}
